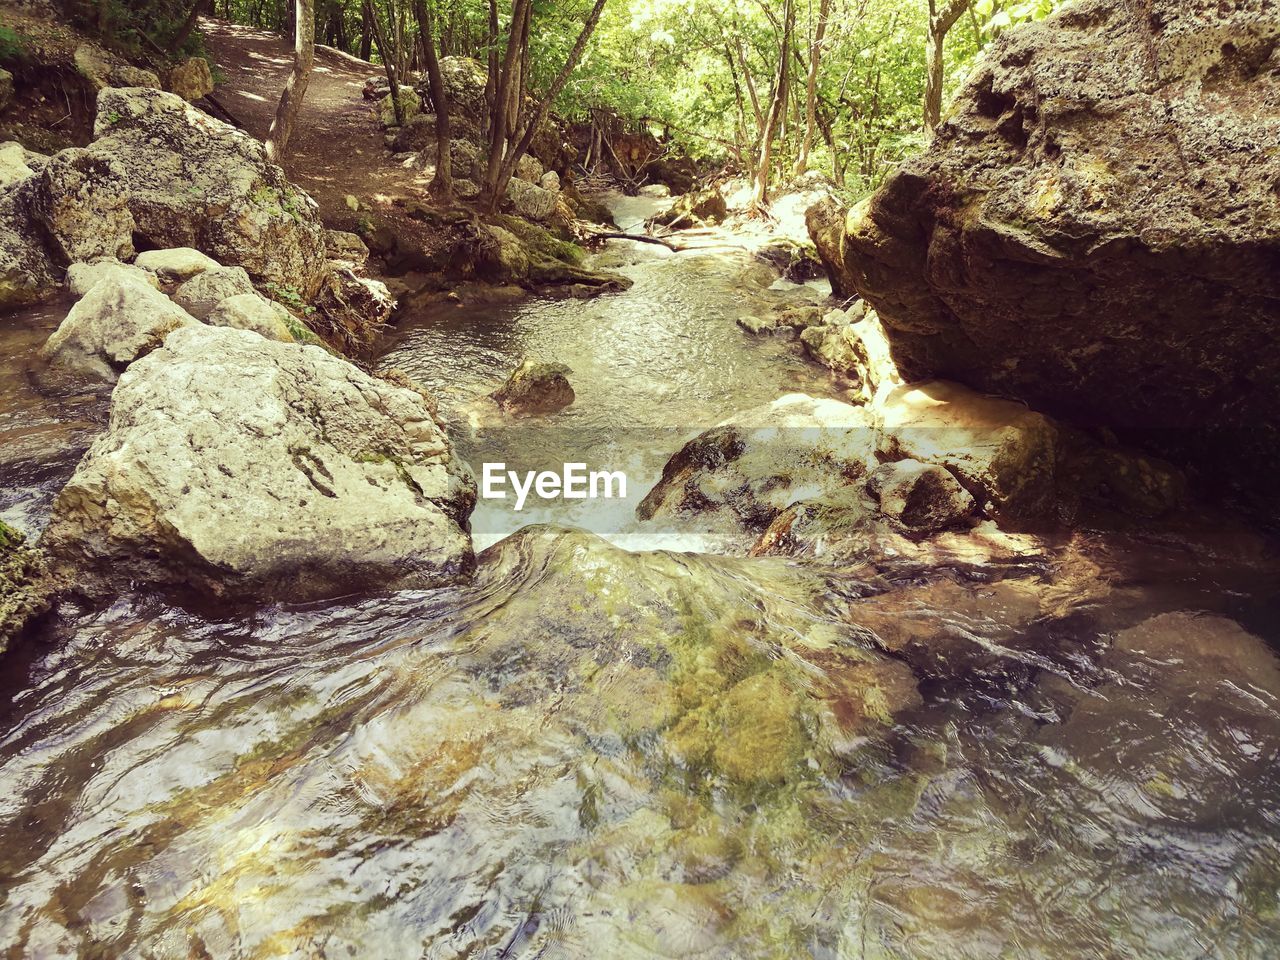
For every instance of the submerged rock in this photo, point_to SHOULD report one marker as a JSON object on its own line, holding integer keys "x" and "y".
{"x": 235, "y": 466}
{"x": 120, "y": 319}
{"x": 535, "y": 387}
{"x": 1092, "y": 231}
{"x": 738, "y": 476}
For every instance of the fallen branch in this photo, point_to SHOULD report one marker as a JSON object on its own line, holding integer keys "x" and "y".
{"x": 641, "y": 237}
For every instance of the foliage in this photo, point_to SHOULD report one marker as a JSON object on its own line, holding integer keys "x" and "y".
{"x": 13, "y": 45}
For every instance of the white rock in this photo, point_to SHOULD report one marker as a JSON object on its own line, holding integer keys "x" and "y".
{"x": 250, "y": 311}
{"x": 235, "y": 466}
{"x": 175, "y": 264}
{"x": 203, "y": 292}
{"x": 13, "y": 163}
{"x": 120, "y": 319}
{"x": 83, "y": 277}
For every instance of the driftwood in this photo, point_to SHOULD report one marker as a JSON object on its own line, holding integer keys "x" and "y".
{"x": 640, "y": 237}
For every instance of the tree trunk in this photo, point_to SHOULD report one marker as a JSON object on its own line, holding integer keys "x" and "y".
{"x": 366, "y": 34}
{"x": 188, "y": 26}
{"x": 295, "y": 89}
{"x": 388, "y": 60}
{"x": 497, "y": 187}
{"x": 940, "y": 24}
{"x": 443, "y": 183}
{"x": 498, "y": 128}
{"x": 764, "y": 169}
{"x": 811, "y": 89}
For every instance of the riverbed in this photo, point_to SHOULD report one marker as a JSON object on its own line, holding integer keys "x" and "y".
{"x": 595, "y": 751}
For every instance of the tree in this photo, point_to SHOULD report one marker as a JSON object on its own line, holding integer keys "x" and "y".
{"x": 777, "y": 107}
{"x": 389, "y": 57}
{"x": 811, "y": 87}
{"x": 443, "y": 183}
{"x": 509, "y": 108}
{"x": 295, "y": 88}
{"x": 941, "y": 20}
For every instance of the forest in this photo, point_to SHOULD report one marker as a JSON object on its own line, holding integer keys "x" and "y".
{"x": 640, "y": 479}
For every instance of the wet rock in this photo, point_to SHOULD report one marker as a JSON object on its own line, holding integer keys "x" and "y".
{"x": 738, "y": 476}
{"x": 924, "y": 498}
{"x": 656, "y": 191}
{"x": 1001, "y": 452}
{"x": 192, "y": 181}
{"x": 175, "y": 265}
{"x": 250, "y": 311}
{"x": 796, "y": 262}
{"x": 530, "y": 201}
{"x": 82, "y": 277}
{"x": 190, "y": 79}
{"x": 1120, "y": 480}
{"x": 535, "y": 387}
{"x": 238, "y": 467}
{"x": 516, "y": 251}
{"x": 1091, "y": 231}
{"x": 203, "y": 292}
{"x": 120, "y": 319}
{"x": 757, "y": 325}
{"x": 83, "y": 206}
{"x": 24, "y": 588}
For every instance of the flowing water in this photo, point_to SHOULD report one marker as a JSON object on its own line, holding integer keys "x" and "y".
{"x": 596, "y": 752}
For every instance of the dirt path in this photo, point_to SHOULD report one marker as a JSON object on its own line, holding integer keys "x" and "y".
{"x": 336, "y": 148}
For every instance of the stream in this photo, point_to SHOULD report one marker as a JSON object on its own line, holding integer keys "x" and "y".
{"x": 599, "y": 750}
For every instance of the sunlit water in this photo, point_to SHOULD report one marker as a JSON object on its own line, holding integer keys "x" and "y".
{"x": 590, "y": 752}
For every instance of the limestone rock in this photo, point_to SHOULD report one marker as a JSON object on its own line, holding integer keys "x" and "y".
{"x": 706, "y": 206}
{"x": 417, "y": 133}
{"x": 13, "y": 163}
{"x": 250, "y": 311}
{"x": 193, "y": 181}
{"x": 238, "y": 467}
{"x": 1092, "y": 231}
{"x": 6, "y": 88}
{"x": 28, "y": 271}
{"x": 410, "y": 107}
{"x": 530, "y": 201}
{"x": 347, "y": 247}
{"x": 737, "y": 476}
{"x": 176, "y": 264}
{"x": 24, "y": 589}
{"x": 924, "y": 498}
{"x": 853, "y": 344}
{"x": 534, "y": 388}
{"x": 191, "y": 79}
{"x": 529, "y": 169}
{"x": 550, "y": 181}
{"x": 203, "y": 292}
{"x": 84, "y": 206}
{"x": 83, "y": 277}
{"x": 1001, "y": 452}
{"x": 120, "y": 319}
{"x": 127, "y": 75}
{"x": 825, "y": 222}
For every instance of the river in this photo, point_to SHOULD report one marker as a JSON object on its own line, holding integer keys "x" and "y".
{"x": 594, "y": 751}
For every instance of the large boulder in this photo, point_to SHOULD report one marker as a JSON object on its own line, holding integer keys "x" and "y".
{"x": 200, "y": 295}
{"x": 83, "y": 277}
{"x": 738, "y": 476}
{"x": 239, "y": 467}
{"x": 1094, "y": 230}
{"x": 193, "y": 181}
{"x": 251, "y": 311}
{"x": 120, "y": 319}
{"x": 83, "y": 206}
{"x": 175, "y": 265}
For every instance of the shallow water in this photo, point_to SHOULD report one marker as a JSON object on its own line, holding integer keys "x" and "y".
{"x": 590, "y": 752}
